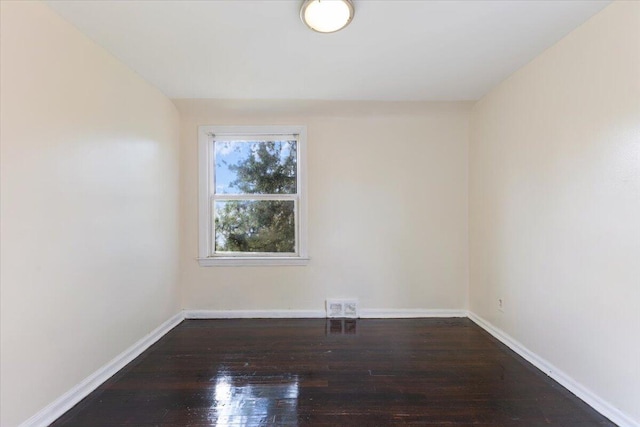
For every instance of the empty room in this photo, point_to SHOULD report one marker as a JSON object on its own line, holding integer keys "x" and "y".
{"x": 319, "y": 213}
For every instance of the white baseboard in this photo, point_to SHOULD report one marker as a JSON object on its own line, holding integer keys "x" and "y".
{"x": 253, "y": 314}
{"x": 58, "y": 407}
{"x": 589, "y": 397}
{"x": 407, "y": 313}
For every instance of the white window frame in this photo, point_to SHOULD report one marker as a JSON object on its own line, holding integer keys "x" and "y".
{"x": 206, "y": 195}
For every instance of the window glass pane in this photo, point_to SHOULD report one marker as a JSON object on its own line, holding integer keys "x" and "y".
{"x": 254, "y": 226}
{"x": 255, "y": 167}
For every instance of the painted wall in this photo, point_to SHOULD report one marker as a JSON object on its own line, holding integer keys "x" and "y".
{"x": 89, "y": 208}
{"x": 387, "y": 193}
{"x": 555, "y": 206}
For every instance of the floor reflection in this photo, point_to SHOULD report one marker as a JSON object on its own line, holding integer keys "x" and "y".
{"x": 341, "y": 327}
{"x": 254, "y": 400}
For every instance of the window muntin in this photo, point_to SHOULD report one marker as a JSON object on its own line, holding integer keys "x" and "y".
{"x": 252, "y": 204}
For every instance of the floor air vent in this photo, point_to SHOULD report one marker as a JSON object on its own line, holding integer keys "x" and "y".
{"x": 342, "y": 308}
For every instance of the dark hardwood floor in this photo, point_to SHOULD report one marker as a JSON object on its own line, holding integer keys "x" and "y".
{"x": 314, "y": 372}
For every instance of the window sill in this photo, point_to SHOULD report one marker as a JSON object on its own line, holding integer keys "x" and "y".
{"x": 252, "y": 262}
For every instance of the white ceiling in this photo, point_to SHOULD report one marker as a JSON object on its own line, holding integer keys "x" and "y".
{"x": 393, "y": 49}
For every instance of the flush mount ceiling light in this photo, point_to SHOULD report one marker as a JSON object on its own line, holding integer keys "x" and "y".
{"x": 326, "y": 16}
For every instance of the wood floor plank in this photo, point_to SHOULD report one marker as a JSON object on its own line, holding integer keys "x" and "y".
{"x": 314, "y": 372}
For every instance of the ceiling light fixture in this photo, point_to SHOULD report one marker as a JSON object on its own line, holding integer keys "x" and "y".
{"x": 326, "y": 16}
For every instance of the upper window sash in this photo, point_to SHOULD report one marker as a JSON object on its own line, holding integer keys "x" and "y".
{"x": 281, "y": 149}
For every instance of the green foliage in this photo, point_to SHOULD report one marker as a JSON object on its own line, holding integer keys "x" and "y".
{"x": 266, "y": 170}
{"x": 255, "y": 226}
{"x": 260, "y": 225}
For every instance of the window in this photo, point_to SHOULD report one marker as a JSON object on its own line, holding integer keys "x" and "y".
{"x": 252, "y": 195}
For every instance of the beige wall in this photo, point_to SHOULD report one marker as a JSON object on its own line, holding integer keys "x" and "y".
{"x": 89, "y": 195}
{"x": 387, "y": 207}
{"x": 555, "y": 206}
{"x": 89, "y": 208}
